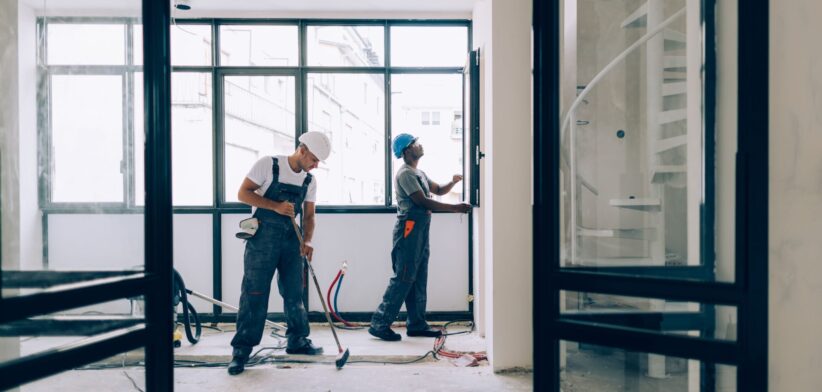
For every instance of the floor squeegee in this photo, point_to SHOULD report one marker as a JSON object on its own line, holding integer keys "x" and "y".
{"x": 342, "y": 357}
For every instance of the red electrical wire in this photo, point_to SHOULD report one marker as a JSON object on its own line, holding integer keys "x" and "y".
{"x": 439, "y": 348}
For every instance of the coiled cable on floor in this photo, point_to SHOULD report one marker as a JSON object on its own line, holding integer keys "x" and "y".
{"x": 439, "y": 347}
{"x": 189, "y": 312}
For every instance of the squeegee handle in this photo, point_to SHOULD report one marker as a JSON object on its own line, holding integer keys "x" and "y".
{"x": 317, "y": 285}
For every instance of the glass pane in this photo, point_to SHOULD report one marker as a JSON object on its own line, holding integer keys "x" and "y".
{"x": 348, "y": 46}
{"x": 588, "y": 367}
{"x": 139, "y": 141}
{"x": 190, "y": 44}
{"x": 137, "y": 38}
{"x": 191, "y": 131}
{"x": 684, "y": 318}
{"x": 86, "y": 111}
{"x": 632, "y": 139}
{"x": 86, "y": 44}
{"x": 64, "y": 121}
{"x": 248, "y": 45}
{"x": 259, "y": 120}
{"x": 428, "y": 46}
{"x": 350, "y": 109}
{"x": 430, "y": 107}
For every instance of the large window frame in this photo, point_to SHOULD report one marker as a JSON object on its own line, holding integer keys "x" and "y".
{"x": 220, "y": 206}
{"x": 218, "y": 71}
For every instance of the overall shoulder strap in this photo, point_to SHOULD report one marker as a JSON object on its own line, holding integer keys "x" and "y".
{"x": 306, "y": 183}
{"x": 275, "y": 170}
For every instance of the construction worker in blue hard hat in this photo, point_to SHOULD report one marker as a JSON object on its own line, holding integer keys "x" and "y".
{"x": 409, "y": 256}
{"x": 277, "y": 189}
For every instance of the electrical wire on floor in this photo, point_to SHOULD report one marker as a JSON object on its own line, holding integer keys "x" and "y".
{"x": 256, "y": 359}
{"x": 415, "y": 360}
{"x": 439, "y": 347}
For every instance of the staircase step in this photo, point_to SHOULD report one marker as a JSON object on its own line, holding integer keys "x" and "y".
{"x": 674, "y": 88}
{"x": 617, "y": 261}
{"x": 646, "y": 204}
{"x": 671, "y": 116}
{"x": 638, "y": 18}
{"x": 671, "y": 143}
{"x": 675, "y": 62}
{"x": 662, "y": 173}
{"x": 673, "y": 37}
{"x": 674, "y": 75}
{"x": 648, "y": 233}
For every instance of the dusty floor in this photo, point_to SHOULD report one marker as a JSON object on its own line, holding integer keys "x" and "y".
{"x": 365, "y": 369}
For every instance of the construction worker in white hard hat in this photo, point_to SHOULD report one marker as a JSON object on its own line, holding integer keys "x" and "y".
{"x": 409, "y": 255}
{"x": 278, "y": 189}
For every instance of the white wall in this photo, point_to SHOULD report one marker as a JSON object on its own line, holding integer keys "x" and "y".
{"x": 115, "y": 242}
{"x": 364, "y": 240}
{"x": 505, "y": 217}
{"x": 94, "y": 242}
{"x": 795, "y": 344}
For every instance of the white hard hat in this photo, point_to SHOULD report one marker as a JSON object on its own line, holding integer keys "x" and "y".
{"x": 317, "y": 143}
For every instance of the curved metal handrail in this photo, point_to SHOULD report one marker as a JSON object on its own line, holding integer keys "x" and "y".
{"x": 613, "y": 63}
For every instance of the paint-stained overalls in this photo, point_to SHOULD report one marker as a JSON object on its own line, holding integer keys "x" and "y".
{"x": 274, "y": 247}
{"x": 409, "y": 260}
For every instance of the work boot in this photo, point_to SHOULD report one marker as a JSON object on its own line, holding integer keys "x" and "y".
{"x": 426, "y": 333}
{"x": 384, "y": 334}
{"x": 308, "y": 349}
{"x": 237, "y": 365}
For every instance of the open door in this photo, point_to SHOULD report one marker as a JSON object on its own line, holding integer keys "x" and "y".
{"x": 472, "y": 153}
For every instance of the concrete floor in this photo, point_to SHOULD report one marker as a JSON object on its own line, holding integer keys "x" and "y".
{"x": 281, "y": 373}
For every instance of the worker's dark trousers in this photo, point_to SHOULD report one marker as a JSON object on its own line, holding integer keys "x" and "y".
{"x": 274, "y": 247}
{"x": 409, "y": 258}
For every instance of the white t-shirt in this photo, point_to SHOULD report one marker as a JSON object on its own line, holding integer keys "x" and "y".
{"x": 261, "y": 175}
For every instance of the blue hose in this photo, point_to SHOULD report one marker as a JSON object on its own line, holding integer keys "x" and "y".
{"x": 337, "y": 293}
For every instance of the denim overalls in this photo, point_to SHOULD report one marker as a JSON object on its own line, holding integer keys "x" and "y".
{"x": 274, "y": 247}
{"x": 409, "y": 260}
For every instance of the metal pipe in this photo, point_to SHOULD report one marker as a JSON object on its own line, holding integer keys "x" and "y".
{"x": 230, "y": 307}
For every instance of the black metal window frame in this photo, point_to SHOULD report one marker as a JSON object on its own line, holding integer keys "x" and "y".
{"x": 300, "y": 72}
{"x": 69, "y": 290}
{"x": 749, "y": 290}
{"x": 219, "y": 205}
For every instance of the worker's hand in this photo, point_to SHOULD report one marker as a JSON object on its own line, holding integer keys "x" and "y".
{"x": 284, "y": 208}
{"x": 462, "y": 207}
{"x": 457, "y": 178}
{"x": 307, "y": 250}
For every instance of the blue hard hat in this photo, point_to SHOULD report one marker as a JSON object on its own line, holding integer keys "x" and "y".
{"x": 401, "y": 142}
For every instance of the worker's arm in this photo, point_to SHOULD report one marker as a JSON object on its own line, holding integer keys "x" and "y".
{"x": 308, "y": 229}
{"x": 440, "y": 190}
{"x": 430, "y": 204}
{"x": 247, "y": 195}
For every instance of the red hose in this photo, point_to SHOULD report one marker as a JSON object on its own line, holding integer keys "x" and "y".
{"x": 328, "y": 298}
{"x": 331, "y": 304}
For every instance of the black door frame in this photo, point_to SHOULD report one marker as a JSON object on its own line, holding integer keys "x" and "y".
{"x": 749, "y": 291}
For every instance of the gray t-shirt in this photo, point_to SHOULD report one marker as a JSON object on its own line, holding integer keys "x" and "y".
{"x": 407, "y": 181}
